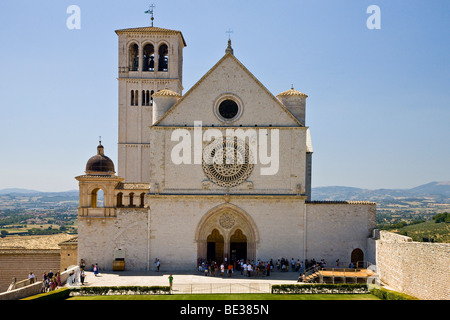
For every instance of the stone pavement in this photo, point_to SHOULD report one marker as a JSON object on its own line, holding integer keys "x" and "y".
{"x": 153, "y": 278}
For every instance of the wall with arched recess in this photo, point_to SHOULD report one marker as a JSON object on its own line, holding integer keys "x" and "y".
{"x": 226, "y": 218}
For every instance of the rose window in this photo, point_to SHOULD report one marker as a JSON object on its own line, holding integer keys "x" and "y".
{"x": 227, "y": 162}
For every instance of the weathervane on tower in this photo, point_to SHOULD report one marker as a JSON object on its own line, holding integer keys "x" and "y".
{"x": 150, "y": 11}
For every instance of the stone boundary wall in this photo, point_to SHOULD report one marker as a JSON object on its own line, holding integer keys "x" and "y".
{"x": 419, "y": 269}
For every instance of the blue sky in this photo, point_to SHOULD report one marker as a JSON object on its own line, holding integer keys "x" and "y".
{"x": 378, "y": 106}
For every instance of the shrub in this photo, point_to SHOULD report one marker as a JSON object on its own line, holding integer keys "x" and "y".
{"x": 58, "y": 294}
{"x": 385, "y": 294}
{"x": 320, "y": 288}
{"x": 99, "y": 291}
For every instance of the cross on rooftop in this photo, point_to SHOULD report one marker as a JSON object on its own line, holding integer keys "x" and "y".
{"x": 229, "y": 31}
{"x": 150, "y": 11}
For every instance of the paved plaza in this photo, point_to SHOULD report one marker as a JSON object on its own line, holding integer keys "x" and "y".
{"x": 161, "y": 278}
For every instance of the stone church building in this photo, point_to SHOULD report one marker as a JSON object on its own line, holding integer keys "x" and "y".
{"x": 221, "y": 172}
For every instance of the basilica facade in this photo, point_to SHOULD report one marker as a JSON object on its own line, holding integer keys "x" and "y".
{"x": 221, "y": 172}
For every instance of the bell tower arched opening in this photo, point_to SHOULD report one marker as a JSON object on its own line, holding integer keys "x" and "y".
{"x": 163, "y": 58}
{"x": 149, "y": 58}
{"x": 133, "y": 54}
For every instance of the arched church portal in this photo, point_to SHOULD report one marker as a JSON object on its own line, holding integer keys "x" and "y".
{"x": 226, "y": 233}
{"x": 215, "y": 246}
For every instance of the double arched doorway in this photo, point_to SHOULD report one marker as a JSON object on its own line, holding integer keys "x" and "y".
{"x": 226, "y": 234}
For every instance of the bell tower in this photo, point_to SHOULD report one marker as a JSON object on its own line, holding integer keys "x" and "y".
{"x": 150, "y": 60}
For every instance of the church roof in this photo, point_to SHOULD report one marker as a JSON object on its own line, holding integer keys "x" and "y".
{"x": 291, "y": 92}
{"x": 133, "y": 186}
{"x": 227, "y": 55}
{"x": 152, "y": 30}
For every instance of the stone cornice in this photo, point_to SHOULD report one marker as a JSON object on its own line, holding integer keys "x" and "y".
{"x": 340, "y": 202}
{"x": 227, "y": 127}
{"x": 228, "y": 197}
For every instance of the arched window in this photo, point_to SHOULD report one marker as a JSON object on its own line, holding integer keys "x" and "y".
{"x": 97, "y": 198}
{"x": 133, "y": 54}
{"x": 163, "y": 58}
{"x": 131, "y": 200}
{"x": 143, "y": 98}
{"x": 119, "y": 200}
{"x": 147, "y": 98}
{"x": 132, "y": 97}
{"x": 136, "y": 98}
{"x": 149, "y": 58}
{"x": 151, "y": 97}
{"x": 142, "y": 197}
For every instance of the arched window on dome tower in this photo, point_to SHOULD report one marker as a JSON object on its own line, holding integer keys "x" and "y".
{"x": 149, "y": 58}
{"x": 163, "y": 58}
{"x": 133, "y": 54}
{"x": 97, "y": 198}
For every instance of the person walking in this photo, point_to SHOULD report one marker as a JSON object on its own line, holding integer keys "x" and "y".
{"x": 170, "y": 283}
{"x": 96, "y": 270}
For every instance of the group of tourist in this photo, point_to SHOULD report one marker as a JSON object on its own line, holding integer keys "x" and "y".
{"x": 256, "y": 268}
{"x": 50, "y": 281}
{"x": 248, "y": 268}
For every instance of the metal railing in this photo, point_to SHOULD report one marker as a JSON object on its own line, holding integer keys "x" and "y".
{"x": 225, "y": 288}
{"x": 354, "y": 272}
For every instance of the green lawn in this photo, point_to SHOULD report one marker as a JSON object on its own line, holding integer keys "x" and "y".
{"x": 256, "y": 296}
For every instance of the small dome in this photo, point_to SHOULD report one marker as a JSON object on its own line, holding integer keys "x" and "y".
{"x": 291, "y": 92}
{"x": 100, "y": 164}
{"x": 166, "y": 93}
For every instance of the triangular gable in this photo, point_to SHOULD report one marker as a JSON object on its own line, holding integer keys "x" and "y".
{"x": 226, "y": 56}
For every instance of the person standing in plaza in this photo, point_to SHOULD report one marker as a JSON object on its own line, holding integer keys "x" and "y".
{"x": 82, "y": 276}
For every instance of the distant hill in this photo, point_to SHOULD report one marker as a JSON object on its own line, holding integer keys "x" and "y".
{"x": 439, "y": 190}
{"x": 17, "y": 190}
{"x": 35, "y": 192}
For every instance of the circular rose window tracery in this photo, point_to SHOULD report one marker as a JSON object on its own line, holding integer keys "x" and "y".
{"x": 227, "y": 162}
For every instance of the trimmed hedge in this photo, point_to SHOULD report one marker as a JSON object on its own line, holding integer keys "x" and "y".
{"x": 100, "y": 291}
{"x": 386, "y": 294}
{"x": 58, "y": 294}
{"x": 320, "y": 288}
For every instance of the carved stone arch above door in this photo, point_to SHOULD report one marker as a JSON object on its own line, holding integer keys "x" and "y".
{"x": 226, "y": 218}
